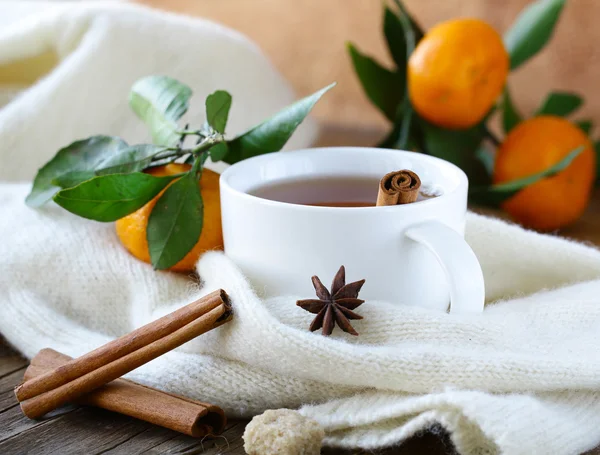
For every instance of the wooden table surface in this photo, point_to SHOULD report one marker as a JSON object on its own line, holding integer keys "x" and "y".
{"x": 90, "y": 431}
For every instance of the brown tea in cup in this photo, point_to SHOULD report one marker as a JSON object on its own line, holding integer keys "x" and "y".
{"x": 324, "y": 191}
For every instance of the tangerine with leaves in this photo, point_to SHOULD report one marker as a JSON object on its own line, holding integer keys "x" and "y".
{"x": 537, "y": 144}
{"x": 161, "y": 213}
{"x": 131, "y": 229}
{"x": 456, "y": 73}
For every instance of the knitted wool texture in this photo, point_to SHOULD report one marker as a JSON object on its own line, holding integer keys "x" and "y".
{"x": 521, "y": 378}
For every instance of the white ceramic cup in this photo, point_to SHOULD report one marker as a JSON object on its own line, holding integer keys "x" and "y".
{"x": 412, "y": 254}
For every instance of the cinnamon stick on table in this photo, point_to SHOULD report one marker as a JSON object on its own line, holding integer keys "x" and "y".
{"x": 399, "y": 187}
{"x": 70, "y": 381}
{"x": 181, "y": 414}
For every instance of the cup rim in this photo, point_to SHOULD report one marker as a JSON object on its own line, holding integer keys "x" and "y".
{"x": 226, "y": 174}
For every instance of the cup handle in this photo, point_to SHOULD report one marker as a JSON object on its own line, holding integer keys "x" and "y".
{"x": 465, "y": 278}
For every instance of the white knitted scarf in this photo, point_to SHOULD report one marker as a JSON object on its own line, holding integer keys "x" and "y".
{"x": 521, "y": 378}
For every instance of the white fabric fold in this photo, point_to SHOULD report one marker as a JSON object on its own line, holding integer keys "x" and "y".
{"x": 66, "y": 70}
{"x": 523, "y": 375}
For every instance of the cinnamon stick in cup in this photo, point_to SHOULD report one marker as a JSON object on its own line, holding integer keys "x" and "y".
{"x": 399, "y": 187}
{"x": 68, "y": 382}
{"x": 388, "y": 194}
{"x": 181, "y": 414}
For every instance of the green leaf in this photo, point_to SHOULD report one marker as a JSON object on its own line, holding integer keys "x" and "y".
{"x": 487, "y": 159}
{"x": 510, "y": 115}
{"x": 175, "y": 223}
{"x": 532, "y": 30}
{"x": 71, "y": 179}
{"x": 585, "y": 125}
{"x": 404, "y": 131}
{"x": 383, "y": 87}
{"x": 560, "y": 103}
{"x": 394, "y": 37}
{"x": 272, "y": 134}
{"x": 496, "y": 194}
{"x": 410, "y": 35}
{"x": 83, "y": 155}
{"x": 407, "y": 113}
{"x": 405, "y": 127}
{"x": 159, "y": 101}
{"x": 417, "y": 29}
{"x": 218, "y": 151}
{"x": 130, "y": 159}
{"x": 451, "y": 145}
{"x": 113, "y": 196}
{"x": 217, "y": 110}
{"x": 393, "y": 139}
{"x": 457, "y": 146}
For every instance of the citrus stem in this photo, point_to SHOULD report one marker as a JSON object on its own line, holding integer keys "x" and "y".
{"x": 173, "y": 152}
{"x": 200, "y": 153}
{"x": 190, "y": 133}
{"x": 206, "y": 144}
{"x": 197, "y": 167}
{"x": 176, "y": 152}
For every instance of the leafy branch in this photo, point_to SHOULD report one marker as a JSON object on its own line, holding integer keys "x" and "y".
{"x": 387, "y": 88}
{"x": 101, "y": 178}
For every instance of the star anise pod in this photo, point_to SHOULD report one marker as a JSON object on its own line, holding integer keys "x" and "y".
{"x": 335, "y": 306}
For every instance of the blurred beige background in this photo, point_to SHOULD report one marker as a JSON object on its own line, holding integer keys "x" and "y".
{"x": 305, "y": 39}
